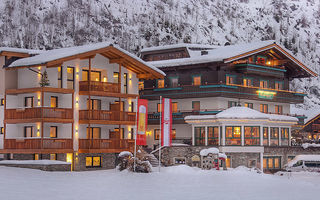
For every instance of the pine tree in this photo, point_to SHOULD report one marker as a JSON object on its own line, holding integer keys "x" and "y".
{"x": 44, "y": 80}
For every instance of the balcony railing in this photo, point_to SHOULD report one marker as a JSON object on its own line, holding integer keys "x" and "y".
{"x": 35, "y": 143}
{"x": 39, "y": 112}
{"x": 99, "y": 86}
{"x": 106, "y": 144}
{"x": 105, "y": 115}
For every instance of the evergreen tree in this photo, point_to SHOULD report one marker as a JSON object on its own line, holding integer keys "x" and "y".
{"x": 44, "y": 80}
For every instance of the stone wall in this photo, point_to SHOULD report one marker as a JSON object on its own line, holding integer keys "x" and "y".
{"x": 108, "y": 161}
{"x": 53, "y": 167}
{"x": 60, "y": 156}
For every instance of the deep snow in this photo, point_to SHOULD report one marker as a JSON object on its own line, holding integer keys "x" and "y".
{"x": 179, "y": 182}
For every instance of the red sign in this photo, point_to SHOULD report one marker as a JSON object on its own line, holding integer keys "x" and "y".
{"x": 142, "y": 121}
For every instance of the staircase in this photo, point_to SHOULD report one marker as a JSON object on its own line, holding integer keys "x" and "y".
{"x": 153, "y": 160}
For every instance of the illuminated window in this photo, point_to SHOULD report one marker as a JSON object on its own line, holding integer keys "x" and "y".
{"x": 278, "y": 85}
{"x": 95, "y": 75}
{"x": 59, "y": 77}
{"x": 228, "y": 162}
{"x": 252, "y": 136}
{"x": 196, "y": 105}
{"x": 173, "y": 134}
{"x": 233, "y": 135}
{"x": 199, "y": 133}
{"x": 230, "y": 79}
{"x": 53, "y": 156}
{"x": 248, "y": 105}
{"x": 95, "y": 133}
{"x": 156, "y": 134}
{"x": 88, "y": 161}
{"x": 160, "y": 83}
{"x": 141, "y": 85}
{"x": 36, "y": 156}
{"x": 125, "y": 83}
{"x": 93, "y": 161}
{"x": 284, "y": 136}
{"x": 53, "y": 131}
{"x": 1, "y": 102}
{"x": 70, "y": 77}
{"x": 1, "y": 130}
{"x": 174, "y": 107}
{"x": 213, "y": 136}
{"x": 272, "y": 162}
{"x": 265, "y": 136}
{"x": 95, "y": 104}
{"x": 116, "y": 77}
{"x": 264, "y": 84}
{"x": 196, "y": 80}
{"x": 274, "y": 136}
{"x": 264, "y": 108}
{"x": 278, "y": 109}
{"x": 159, "y": 107}
{"x": 247, "y": 82}
{"x": 28, "y": 102}
{"x": 54, "y": 102}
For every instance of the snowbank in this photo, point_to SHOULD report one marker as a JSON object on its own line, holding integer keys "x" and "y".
{"x": 125, "y": 153}
{"x": 307, "y": 145}
{"x": 206, "y": 152}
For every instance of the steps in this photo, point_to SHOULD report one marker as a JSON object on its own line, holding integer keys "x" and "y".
{"x": 153, "y": 160}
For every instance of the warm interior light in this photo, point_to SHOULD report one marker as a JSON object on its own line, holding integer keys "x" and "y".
{"x": 104, "y": 79}
{"x": 69, "y": 157}
{"x": 268, "y": 62}
{"x": 262, "y": 92}
{"x": 97, "y": 79}
{"x": 236, "y": 131}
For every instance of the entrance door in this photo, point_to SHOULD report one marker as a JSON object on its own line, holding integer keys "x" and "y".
{"x": 199, "y": 134}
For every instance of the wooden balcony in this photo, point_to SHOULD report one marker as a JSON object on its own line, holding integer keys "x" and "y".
{"x": 45, "y": 114}
{"x": 96, "y": 88}
{"x": 222, "y": 90}
{"x": 259, "y": 69}
{"x": 106, "y": 117}
{"x": 29, "y": 145}
{"x": 105, "y": 145}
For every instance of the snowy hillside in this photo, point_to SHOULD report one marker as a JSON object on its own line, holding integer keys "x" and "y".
{"x": 143, "y": 23}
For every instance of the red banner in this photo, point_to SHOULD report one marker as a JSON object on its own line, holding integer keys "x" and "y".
{"x": 142, "y": 121}
{"x": 166, "y": 122}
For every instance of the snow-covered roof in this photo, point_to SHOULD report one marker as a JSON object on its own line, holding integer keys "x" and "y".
{"x": 33, "y": 162}
{"x": 205, "y": 152}
{"x": 180, "y": 45}
{"x": 303, "y": 158}
{"x": 20, "y": 50}
{"x": 56, "y": 54}
{"x": 307, "y": 145}
{"x": 242, "y": 113}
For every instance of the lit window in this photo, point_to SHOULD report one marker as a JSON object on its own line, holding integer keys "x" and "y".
{"x": 213, "y": 136}
{"x": 141, "y": 85}
{"x": 173, "y": 134}
{"x": 228, "y": 162}
{"x": 1, "y": 102}
{"x": 174, "y": 107}
{"x": 278, "y": 109}
{"x": 54, "y": 102}
{"x": 265, "y": 136}
{"x": 274, "y": 136}
{"x": 156, "y": 134}
{"x": 96, "y": 161}
{"x": 36, "y": 156}
{"x": 199, "y": 133}
{"x": 159, "y": 107}
{"x": 278, "y": 85}
{"x": 59, "y": 77}
{"x": 1, "y": 130}
{"x": 252, "y": 136}
{"x": 95, "y": 133}
{"x": 88, "y": 161}
{"x": 53, "y": 156}
{"x": 160, "y": 83}
{"x": 247, "y": 82}
{"x": 196, "y": 80}
{"x": 116, "y": 77}
{"x": 230, "y": 80}
{"x": 264, "y": 108}
{"x": 263, "y": 84}
{"x": 53, "y": 131}
{"x": 272, "y": 162}
{"x": 233, "y": 135}
{"x": 248, "y": 105}
{"x": 284, "y": 136}
{"x": 70, "y": 77}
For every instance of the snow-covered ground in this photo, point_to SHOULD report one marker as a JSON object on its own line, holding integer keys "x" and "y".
{"x": 180, "y": 182}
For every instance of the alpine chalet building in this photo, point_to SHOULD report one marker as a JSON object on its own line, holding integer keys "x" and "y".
{"x": 235, "y": 97}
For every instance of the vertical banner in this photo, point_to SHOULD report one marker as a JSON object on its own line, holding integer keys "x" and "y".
{"x": 166, "y": 123}
{"x": 142, "y": 121}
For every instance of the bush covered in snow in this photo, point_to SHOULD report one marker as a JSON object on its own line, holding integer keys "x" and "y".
{"x": 141, "y": 165}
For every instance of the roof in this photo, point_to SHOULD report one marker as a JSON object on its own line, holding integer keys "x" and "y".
{"x": 69, "y": 53}
{"x": 20, "y": 50}
{"x": 230, "y": 53}
{"x": 180, "y": 45}
{"x": 242, "y": 113}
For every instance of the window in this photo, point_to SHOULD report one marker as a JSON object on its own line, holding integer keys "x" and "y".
{"x": 94, "y": 133}
{"x": 95, "y": 75}
{"x": 248, "y": 105}
{"x": 36, "y": 156}
{"x": 121, "y": 133}
{"x": 60, "y": 77}
{"x": 264, "y": 84}
{"x": 278, "y": 85}
{"x": 273, "y": 162}
{"x": 264, "y": 108}
{"x": 159, "y": 107}
{"x": 196, "y": 80}
{"x": 174, "y": 81}
{"x": 173, "y": 134}
{"x": 233, "y": 135}
{"x": 93, "y": 161}
{"x": 70, "y": 77}
{"x": 278, "y": 109}
{"x": 131, "y": 107}
{"x": 53, "y": 156}
{"x": 160, "y": 83}
{"x": 196, "y": 105}
{"x": 230, "y": 79}
{"x": 131, "y": 134}
{"x": 174, "y": 107}
{"x": 247, "y": 82}
{"x": 156, "y": 134}
{"x": 28, "y": 102}
{"x": 125, "y": 83}
{"x": 95, "y": 104}
{"x": 1, "y": 130}
{"x": 252, "y": 136}
{"x": 284, "y": 136}
{"x": 141, "y": 85}
{"x": 232, "y": 104}
{"x": 1, "y": 102}
{"x": 28, "y": 132}
{"x": 54, "y": 102}
{"x": 213, "y": 136}
{"x": 116, "y": 77}
{"x": 179, "y": 161}
{"x": 228, "y": 162}
{"x": 274, "y": 136}
{"x": 199, "y": 133}
{"x": 265, "y": 136}
{"x": 53, "y": 131}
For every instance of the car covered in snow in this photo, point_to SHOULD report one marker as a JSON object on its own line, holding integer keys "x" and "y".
{"x": 304, "y": 163}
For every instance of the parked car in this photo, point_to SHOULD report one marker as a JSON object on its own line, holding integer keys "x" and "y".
{"x": 304, "y": 163}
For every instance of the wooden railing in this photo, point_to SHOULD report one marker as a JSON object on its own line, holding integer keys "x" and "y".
{"x": 36, "y": 143}
{"x": 106, "y": 144}
{"x": 44, "y": 112}
{"x": 106, "y": 115}
{"x": 99, "y": 86}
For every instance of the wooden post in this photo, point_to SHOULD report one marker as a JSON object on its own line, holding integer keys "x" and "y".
{"x": 5, "y": 124}
{"x": 89, "y": 99}
{"x": 42, "y": 101}
{"x": 119, "y": 78}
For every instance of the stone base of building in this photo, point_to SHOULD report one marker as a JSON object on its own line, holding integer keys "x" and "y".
{"x": 53, "y": 167}
{"x": 107, "y": 161}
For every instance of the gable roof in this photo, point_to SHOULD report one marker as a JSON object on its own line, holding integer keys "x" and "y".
{"x": 7, "y": 51}
{"x": 227, "y": 54}
{"x": 177, "y": 46}
{"x": 55, "y": 57}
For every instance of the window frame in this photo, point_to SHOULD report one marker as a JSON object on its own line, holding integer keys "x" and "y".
{"x": 193, "y": 102}
{"x": 248, "y": 105}
{"x": 273, "y": 162}
{"x": 280, "y": 83}
{"x": 213, "y": 138}
{"x": 233, "y": 137}
{"x": 125, "y": 83}
{"x": 56, "y": 127}
{"x": 174, "y": 103}
{"x": 26, "y": 100}
{"x": 92, "y": 71}
{"x": 171, "y": 82}
{"x": 264, "y": 106}
{"x": 228, "y": 76}
{"x": 157, "y": 82}
{"x": 196, "y": 76}
{"x": 278, "y": 109}
{"x": 61, "y": 77}
{"x": 230, "y": 104}
{"x": 253, "y": 138}
{"x": 56, "y": 99}
{"x": 2, "y": 102}
{"x": 156, "y": 136}
{"x": 25, "y": 131}
{"x": 247, "y": 78}
{"x": 92, "y": 158}
{"x": 70, "y": 80}
{"x": 1, "y": 130}
{"x": 267, "y": 81}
